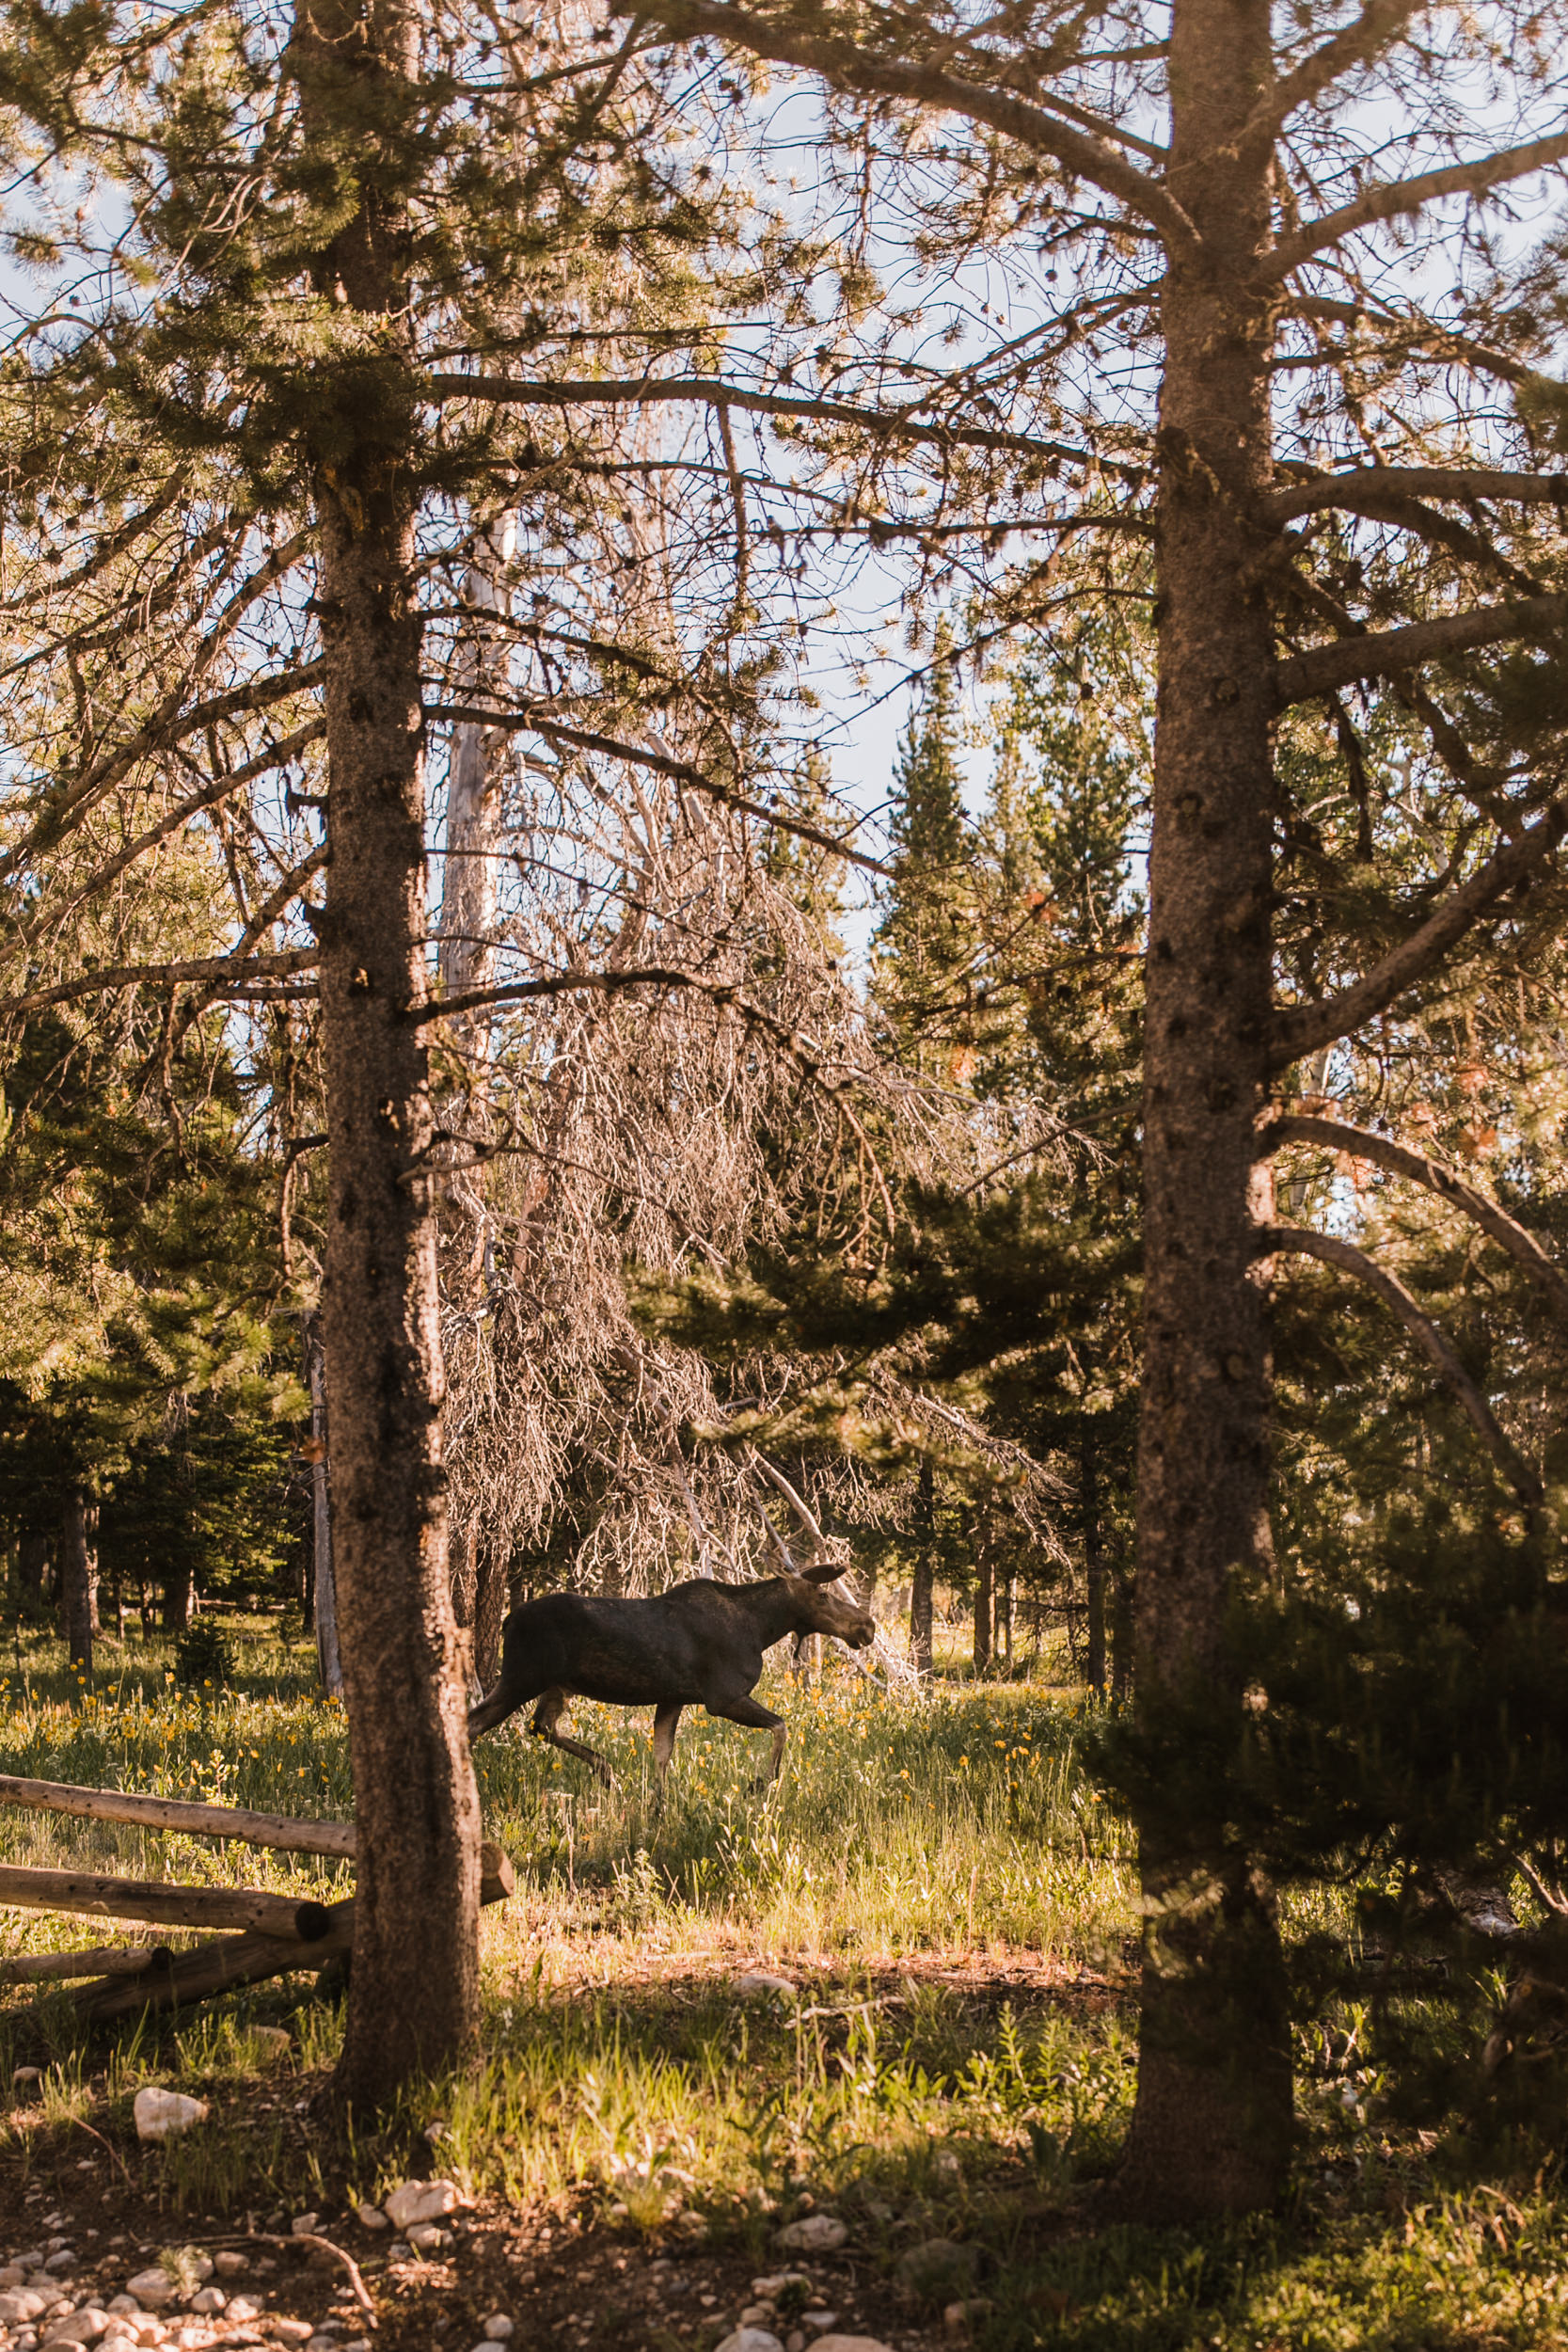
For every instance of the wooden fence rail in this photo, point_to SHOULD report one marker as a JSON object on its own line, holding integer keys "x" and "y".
{"x": 280, "y": 1931}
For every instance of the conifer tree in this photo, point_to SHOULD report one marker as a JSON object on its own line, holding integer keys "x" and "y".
{"x": 925, "y": 943}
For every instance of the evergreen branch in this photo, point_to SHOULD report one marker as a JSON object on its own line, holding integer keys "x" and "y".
{"x": 1273, "y": 1239}
{"x": 1381, "y": 483}
{"x": 849, "y": 67}
{"x": 583, "y": 738}
{"x": 1338, "y": 1134}
{"x": 1300, "y": 1029}
{"x": 1324, "y": 667}
{"x": 713, "y": 391}
{"x": 1401, "y": 198}
{"x": 223, "y": 970}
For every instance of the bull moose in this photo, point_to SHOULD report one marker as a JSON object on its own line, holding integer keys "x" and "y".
{"x": 699, "y": 1645}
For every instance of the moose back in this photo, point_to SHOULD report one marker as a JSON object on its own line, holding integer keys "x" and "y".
{"x": 699, "y": 1645}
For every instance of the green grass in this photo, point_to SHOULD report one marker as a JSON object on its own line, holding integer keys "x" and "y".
{"x": 954, "y": 1907}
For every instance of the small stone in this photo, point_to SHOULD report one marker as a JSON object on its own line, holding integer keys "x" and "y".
{"x": 208, "y": 2299}
{"x": 304, "y": 2224}
{"x": 321, "y": 2343}
{"x": 230, "y": 2265}
{"x": 796, "y": 2339}
{"x": 937, "y": 2265}
{"x": 820, "y": 2323}
{"x": 819, "y": 2233}
{"x": 83, "y": 2327}
{"x": 272, "y": 2044}
{"x": 152, "y": 2288}
{"x": 399, "y": 2251}
{"x": 851, "y": 2344}
{"x": 755, "y": 1980}
{"x": 771, "y": 2289}
{"x": 428, "y": 2237}
{"x": 12, "y": 2275}
{"x": 17, "y": 2308}
{"x": 357, "y": 2344}
{"x": 293, "y": 2330}
{"x": 149, "y": 2333}
{"x": 758, "y": 2315}
{"x": 421, "y": 2200}
{"x": 497, "y": 2328}
{"x": 751, "y": 2339}
{"x": 241, "y": 2308}
{"x": 158, "y": 2112}
{"x": 958, "y": 2318}
{"x": 24, "y": 2076}
{"x": 60, "y": 2265}
{"x": 373, "y": 2216}
{"x": 116, "y": 2341}
{"x": 126, "y": 2303}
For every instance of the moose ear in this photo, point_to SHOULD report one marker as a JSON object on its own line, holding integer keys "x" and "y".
{"x": 822, "y": 1572}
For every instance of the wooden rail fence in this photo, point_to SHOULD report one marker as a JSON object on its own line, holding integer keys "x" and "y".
{"x": 277, "y": 1932}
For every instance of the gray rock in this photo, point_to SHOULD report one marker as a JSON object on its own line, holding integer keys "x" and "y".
{"x": 157, "y": 2113}
{"x": 940, "y": 2267}
{"x": 819, "y": 2233}
{"x": 751, "y": 2339}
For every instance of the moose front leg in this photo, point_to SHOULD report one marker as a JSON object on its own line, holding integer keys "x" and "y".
{"x": 547, "y": 1715}
{"x": 755, "y": 1718}
{"x": 665, "y": 1721}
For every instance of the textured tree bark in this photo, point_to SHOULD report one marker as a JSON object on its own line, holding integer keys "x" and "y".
{"x": 1212, "y": 2126}
{"x": 76, "y": 1582}
{"x": 413, "y": 2004}
{"x": 324, "y": 1590}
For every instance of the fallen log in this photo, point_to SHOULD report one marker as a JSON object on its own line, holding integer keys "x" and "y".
{"x": 233, "y": 1961}
{"x": 221, "y": 1966}
{"x": 107, "y": 1960}
{"x": 85, "y": 1891}
{"x": 277, "y": 1830}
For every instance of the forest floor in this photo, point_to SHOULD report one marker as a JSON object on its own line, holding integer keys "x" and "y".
{"x": 944, "y": 2057}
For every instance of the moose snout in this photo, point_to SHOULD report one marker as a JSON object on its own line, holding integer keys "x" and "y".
{"x": 862, "y": 1636}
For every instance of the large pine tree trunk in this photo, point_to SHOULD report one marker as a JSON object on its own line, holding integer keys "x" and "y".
{"x": 1212, "y": 2123}
{"x": 414, "y": 1995}
{"x": 324, "y": 1591}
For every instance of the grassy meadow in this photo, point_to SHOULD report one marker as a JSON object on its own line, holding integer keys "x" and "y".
{"x": 952, "y": 1908}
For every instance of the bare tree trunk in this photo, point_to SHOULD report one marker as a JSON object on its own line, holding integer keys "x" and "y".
{"x": 1094, "y": 1559}
{"x": 489, "y": 1614}
{"x": 1212, "y": 2126}
{"x": 76, "y": 1582}
{"x": 178, "y": 1594}
{"x": 32, "y": 1559}
{"x": 324, "y": 1590}
{"x": 983, "y": 1603}
{"x": 924, "y": 1579}
{"x": 414, "y": 1998}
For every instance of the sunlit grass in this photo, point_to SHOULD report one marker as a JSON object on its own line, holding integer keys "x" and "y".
{"x": 913, "y": 1854}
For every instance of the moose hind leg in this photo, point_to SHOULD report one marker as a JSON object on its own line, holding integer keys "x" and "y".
{"x": 756, "y": 1718}
{"x": 547, "y": 1715}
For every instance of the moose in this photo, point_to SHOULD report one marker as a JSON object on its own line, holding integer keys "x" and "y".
{"x": 699, "y": 1644}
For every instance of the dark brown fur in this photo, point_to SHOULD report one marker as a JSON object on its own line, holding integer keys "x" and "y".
{"x": 699, "y": 1645}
